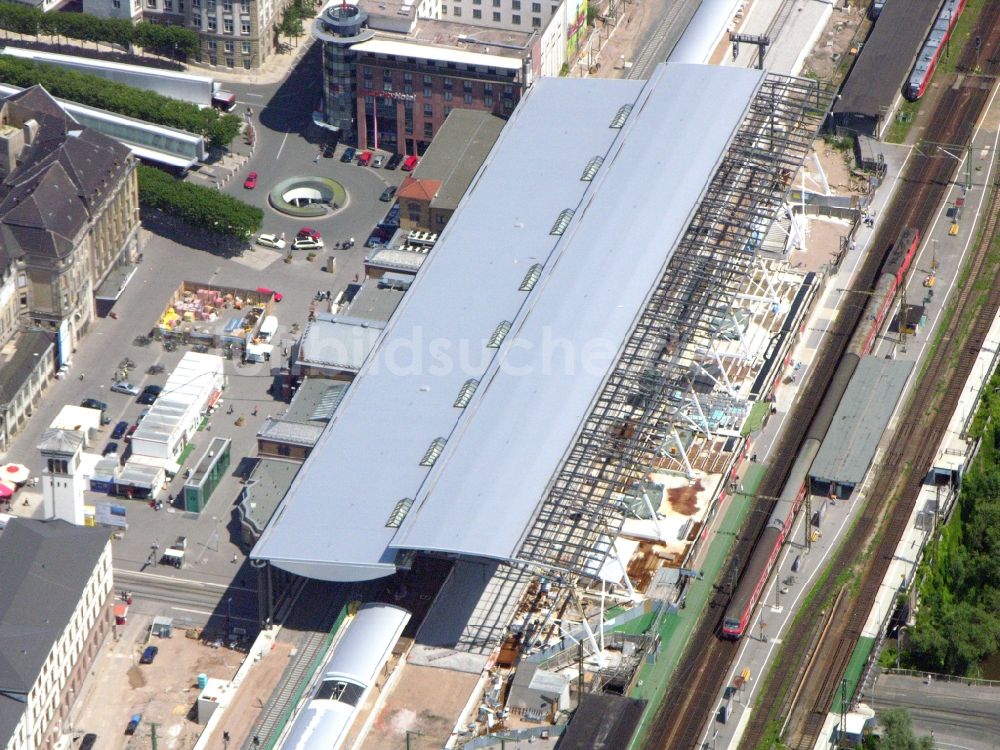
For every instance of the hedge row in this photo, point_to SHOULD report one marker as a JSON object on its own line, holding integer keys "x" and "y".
{"x": 199, "y": 207}
{"x": 92, "y": 91}
{"x": 172, "y": 41}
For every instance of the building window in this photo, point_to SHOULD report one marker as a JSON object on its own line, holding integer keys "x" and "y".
{"x": 387, "y": 75}
{"x": 536, "y": 23}
{"x": 284, "y": 450}
{"x": 467, "y": 85}
{"x": 213, "y": 23}
{"x": 58, "y": 466}
{"x": 195, "y": 3}
{"x": 488, "y": 88}
{"x": 244, "y": 7}
{"x": 227, "y": 6}
{"x": 428, "y": 130}
{"x": 457, "y": 11}
{"x": 168, "y": 5}
{"x": 211, "y": 6}
{"x": 151, "y": 4}
{"x": 553, "y": 9}
{"x": 515, "y": 5}
{"x": 536, "y": 7}
{"x": 488, "y": 101}
{"x": 180, "y": 6}
{"x": 246, "y": 64}
{"x": 245, "y": 27}
{"x": 516, "y": 20}
{"x": 246, "y": 48}
{"x": 196, "y": 20}
{"x": 117, "y": 3}
{"x": 407, "y": 77}
{"x": 428, "y": 81}
{"x": 407, "y": 89}
{"x": 230, "y": 62}
{"x": 368, "y": 71}
{"x": 227, "y": 25}
{"x": 448, "y": 83}
{"x": 477, "y": 13}
{"x": 387, "y": 86}
{"x": 213, "y": 45}
{"x": 447, "y": 96}
{"x": 428, "y": 110}
{"x": 229, "y": 48}
{"x": 496, "y": 17}
{"x": 468, "y": 98}
{"x": 444, "y": 10}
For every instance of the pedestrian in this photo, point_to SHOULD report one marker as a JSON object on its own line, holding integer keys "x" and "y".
{"x": 316, "y": 159}
{"x": 234, "y": 558}
{"x": 254, "y": 413}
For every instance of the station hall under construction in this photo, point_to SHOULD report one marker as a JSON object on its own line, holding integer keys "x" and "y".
{"x": 557, "y": 406}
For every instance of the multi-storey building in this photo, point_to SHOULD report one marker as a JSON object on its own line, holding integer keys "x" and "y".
{"x": 55, "y": 611}
{"x": 389, "y": 82}
{"x": 69, "y": 212}
{"x": 236, "y": 34}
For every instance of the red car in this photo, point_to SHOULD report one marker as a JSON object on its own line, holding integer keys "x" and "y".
{"x": 307, "y": 232}
{"x": 278, "y": 296}
{"x": 251, "y": 181}
{"x": 365, "y": 159}
{"x": 410, "y": 163}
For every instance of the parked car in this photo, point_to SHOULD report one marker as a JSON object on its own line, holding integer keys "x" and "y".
{"x": 148, "y": 655}
{"x": 410, "y": 163}
{"x": 110, "y": 448}
{"x": 307, "y": 232}
{"x": 93, "y": 403}
{"x": 348, "y": 155}
{"x": 142, "y": 415}
{"x": 133, "y": 724}
{"x": 123, "y": 386}
{"x": 149, "y": 394}
{"x": 388, "y": 194}
{"x": 328, "y": 150}
{"x": 394, "y": 161}
{"x": 307, "y": 243}
{"x": 378, "y": 161}
{"x": 278, "y": 296}
{"x": 130, "y": 432}
{"x": 87, "y": 743}
{"x": 119, "y": 431}
{"x": 365, "y": 159}
{"x": 271, "y": 240}
{"x": 251, "y": 181}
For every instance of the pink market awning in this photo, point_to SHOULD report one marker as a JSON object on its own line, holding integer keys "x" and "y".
{"x": 6, "y": 491}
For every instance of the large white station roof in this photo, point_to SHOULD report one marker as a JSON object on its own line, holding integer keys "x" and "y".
{"x": 339, "y": 519}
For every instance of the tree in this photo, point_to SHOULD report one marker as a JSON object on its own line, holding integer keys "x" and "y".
{"x": 197, "y": 206}
{"x": 897, "y": 733}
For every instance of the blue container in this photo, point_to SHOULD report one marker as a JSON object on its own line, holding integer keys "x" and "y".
{"x": 202, "y": 681}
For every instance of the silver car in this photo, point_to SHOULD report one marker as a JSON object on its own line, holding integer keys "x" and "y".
{"x": 271, "y": 240}
{"x": 123, "y": 386}
{"x": 307, "y": 243}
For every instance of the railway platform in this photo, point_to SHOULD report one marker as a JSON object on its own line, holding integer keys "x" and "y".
{"x": 942, "y": 254}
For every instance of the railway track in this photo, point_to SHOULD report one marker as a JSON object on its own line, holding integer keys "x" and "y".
{"x": 698, "y": 682}
{"x": 913, "y": 443}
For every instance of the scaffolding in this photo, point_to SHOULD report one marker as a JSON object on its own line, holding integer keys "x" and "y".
{"x": 582, "y": 514}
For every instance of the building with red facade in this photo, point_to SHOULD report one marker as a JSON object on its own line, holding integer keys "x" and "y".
{"x": 390, "y": 78}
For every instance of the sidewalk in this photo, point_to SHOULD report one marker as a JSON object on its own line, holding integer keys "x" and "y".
{"x": 274, "y": 70}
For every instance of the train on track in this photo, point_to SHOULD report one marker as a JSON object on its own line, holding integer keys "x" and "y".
{"x": 765, "y": 553}
{"x": 357, "y": 659}
{"x": 935, "y": 44}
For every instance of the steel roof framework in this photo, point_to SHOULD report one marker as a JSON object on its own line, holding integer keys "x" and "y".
{"x": 580, "y": 517}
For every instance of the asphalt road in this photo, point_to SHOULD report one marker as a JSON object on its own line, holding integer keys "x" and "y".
{"x": 957, "y": 715}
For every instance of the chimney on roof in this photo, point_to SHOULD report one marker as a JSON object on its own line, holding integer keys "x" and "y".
{"x": 30, "y": 128}
{"x": 11, "y": 146}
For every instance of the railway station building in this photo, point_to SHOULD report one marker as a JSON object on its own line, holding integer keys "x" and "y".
{"x": 557, "y": 402}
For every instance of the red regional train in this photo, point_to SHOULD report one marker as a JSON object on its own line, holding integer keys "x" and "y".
{"x": 765, "y": 553}
{"x": 930, "y": 53}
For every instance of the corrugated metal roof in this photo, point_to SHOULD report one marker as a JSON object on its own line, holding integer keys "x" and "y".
{"x": 860, "y": 420}
{"x": 505, "y": 446}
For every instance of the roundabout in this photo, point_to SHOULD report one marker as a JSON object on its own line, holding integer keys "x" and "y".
{"x": 308, "y": 197}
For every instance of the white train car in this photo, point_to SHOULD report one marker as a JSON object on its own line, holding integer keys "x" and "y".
{"x": 706, "y": 30}
{"x": 324, "y": 721}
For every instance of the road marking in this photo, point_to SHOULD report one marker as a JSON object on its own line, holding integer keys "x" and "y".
{"x": 278, "y": 155}
{"x": 210, "y": 614}
{"x": 255, "y": 96}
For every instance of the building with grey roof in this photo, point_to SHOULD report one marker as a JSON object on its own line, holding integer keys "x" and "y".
{"x": 857, "y": 427}
{"x": 429, "y": 196}
{"x": 55, "y": 607}
{"x": 26, "y": 369}
{"x": 69, "y": 210}
{"x": 520, "y": 381}
{"x": 293, "y": 434}
{"x": 262, "y": 492}
{"x": 375, "y": 301}
{"x": 334, "y": 346}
